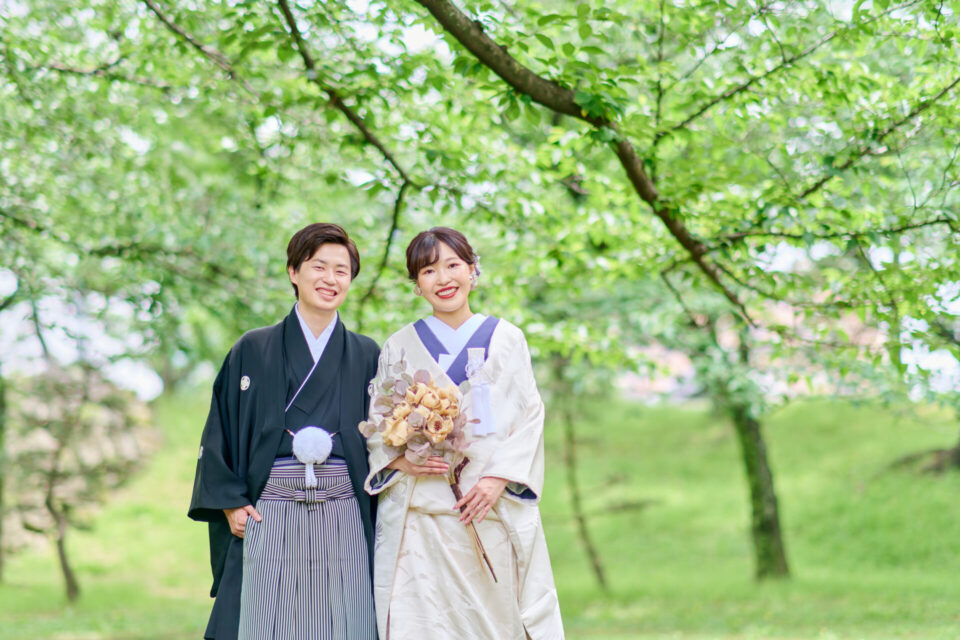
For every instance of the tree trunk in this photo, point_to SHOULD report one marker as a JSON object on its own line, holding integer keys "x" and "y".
{"x": 765, "y": 533}
{"x": 936, "y": 461}
{"x": 948, "y": 458}
{"x": 59, "y": 516}
{"x": 771, "y": 558}
{"x": 3, "y": 465}
{"x": 69, "y": 578}
{"x": 573, "y": 483}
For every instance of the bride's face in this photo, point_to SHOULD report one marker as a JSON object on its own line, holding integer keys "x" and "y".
{"x": 446, "y": 283}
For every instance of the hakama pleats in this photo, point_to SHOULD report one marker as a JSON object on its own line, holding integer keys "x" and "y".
{"x": 305, "y": 567}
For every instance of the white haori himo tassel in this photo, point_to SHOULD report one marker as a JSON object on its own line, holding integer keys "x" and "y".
{"x": 482, "y": 412}
{"x": 312, "y": 445}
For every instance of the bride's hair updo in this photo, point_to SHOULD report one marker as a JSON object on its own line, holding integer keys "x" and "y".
{"x": 424, "y": 250}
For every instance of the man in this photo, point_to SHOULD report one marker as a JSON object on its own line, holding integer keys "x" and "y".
{"x": 291, "y": 544}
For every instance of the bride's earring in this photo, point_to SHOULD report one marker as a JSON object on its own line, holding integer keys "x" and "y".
{"x": 416, "y": 290}
{"x": 473, "y": 280}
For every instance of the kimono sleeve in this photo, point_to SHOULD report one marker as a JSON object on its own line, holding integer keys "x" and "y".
{"x": 519, "y": 458}
{"x": 381, "y": 454}
{"x": 216, "y": 486}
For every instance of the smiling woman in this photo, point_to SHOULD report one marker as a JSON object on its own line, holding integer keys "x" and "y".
{"x": 445, "y": 268}
{"x": 421, "y": 528}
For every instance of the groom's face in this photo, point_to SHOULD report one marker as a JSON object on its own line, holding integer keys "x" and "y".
{"x": 323, "y": 279}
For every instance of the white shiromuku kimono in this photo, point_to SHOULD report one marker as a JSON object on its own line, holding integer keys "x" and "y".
{"x": 429, "y": 582}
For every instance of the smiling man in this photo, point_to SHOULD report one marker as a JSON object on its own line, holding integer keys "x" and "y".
{"x": 291, "y": 541}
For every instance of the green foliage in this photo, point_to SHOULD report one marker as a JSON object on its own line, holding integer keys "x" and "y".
{"x": 176, "y": 183}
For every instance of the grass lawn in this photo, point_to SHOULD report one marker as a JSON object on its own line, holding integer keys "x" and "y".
{"x": 873, "y": 549}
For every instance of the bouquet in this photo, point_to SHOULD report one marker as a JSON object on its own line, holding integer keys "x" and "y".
{"x": 418, "y": 419}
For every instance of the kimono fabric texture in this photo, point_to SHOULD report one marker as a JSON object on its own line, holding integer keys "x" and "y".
{"x": 305, "y": 574}
{"x": 264, "y": 388}
{"x": 428, "y": 580}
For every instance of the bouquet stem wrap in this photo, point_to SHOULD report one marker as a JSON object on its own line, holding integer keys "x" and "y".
{"x": 454, "y": 479}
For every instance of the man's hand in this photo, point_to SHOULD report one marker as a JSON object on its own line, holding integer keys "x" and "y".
{"x": 238, "y": 518}
{"x": 434, "y": 466}
{"x": 480, "y": 499}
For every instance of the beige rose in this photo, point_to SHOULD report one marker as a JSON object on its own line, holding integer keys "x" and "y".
{"x": 438, "y": 428}
{"x": 430, "y": 399}
{"x": 415, "y": 393}
{"x": 396, "y": 433}
{"x": 402, "y": 410}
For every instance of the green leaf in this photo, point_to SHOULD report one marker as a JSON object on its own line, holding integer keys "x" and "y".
{"x": 544, "y": 40}
{"x": 532, "y": 114}
{"x": 548, "y": 18}
{"x": 285, "y": 54}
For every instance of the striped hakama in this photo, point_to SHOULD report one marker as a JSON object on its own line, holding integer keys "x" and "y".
{"x": 305, "y": 567}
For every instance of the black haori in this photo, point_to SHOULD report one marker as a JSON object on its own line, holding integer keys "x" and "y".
{"x": 305, "y": 567}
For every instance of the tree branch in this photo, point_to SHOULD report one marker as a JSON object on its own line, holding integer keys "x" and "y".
{"x": 871, "y": 147}
{"x": 103, "y": 71}
{"x": 889, "y": 231}
{"x": 207, "y": 51}
{"x": 334, "y": 98}
{"x": 691, "y": 318}
{"x": 891, "y": 300}
{"x": 470, "y": 34}
{"x": 219, "y": 276}
{"x": 718, "y": 46}
{"x": 7, "y": 302}
{"x": 945, "y": 176}
{"x": 752, "y": 80}
{"x": 785, "y": 63}
{"x": 394, "y": 225}
{"x": 658, "y": 89}
{"x": 778, "y": 298}
{"x": 38, "y": 330}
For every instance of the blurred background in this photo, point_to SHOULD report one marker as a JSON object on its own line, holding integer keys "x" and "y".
{"x": 729, "y": 231}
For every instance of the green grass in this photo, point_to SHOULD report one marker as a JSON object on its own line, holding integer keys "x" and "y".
{"x": 873, "y": 549}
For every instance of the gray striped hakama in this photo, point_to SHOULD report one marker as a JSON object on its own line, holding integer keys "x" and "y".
{"x": 305, "y": 567}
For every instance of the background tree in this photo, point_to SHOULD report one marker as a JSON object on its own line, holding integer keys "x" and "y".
{"x": 74, "y": 437}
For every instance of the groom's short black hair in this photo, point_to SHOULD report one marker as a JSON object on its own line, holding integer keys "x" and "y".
{"x": 308, "y": 240}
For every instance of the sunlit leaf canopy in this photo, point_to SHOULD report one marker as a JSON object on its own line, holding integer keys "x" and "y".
{"x": 801, "y": 155}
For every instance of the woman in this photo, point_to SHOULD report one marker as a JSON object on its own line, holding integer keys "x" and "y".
{"x": 428, "y": 580}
